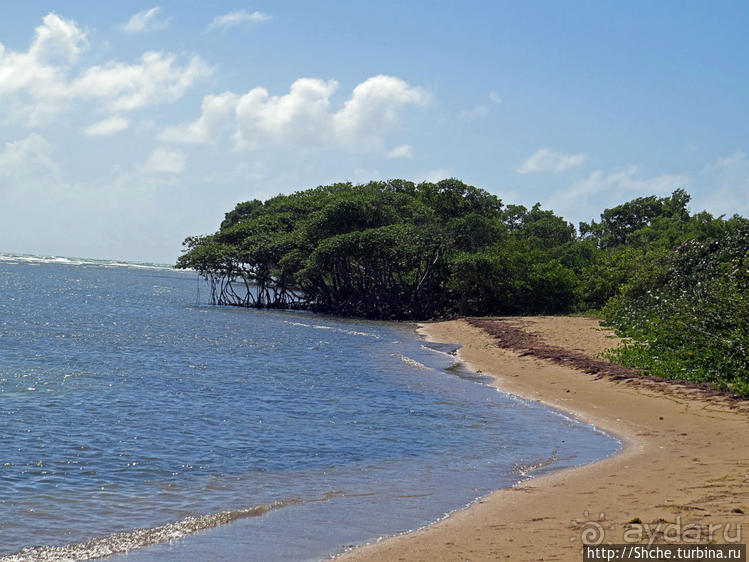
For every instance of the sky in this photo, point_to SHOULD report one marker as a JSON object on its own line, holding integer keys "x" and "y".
{"x": 126, "y": 127}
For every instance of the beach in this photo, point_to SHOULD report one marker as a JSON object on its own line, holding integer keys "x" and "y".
{"x": 682, "y": 475}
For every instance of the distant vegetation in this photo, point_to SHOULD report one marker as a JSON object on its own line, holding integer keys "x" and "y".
{"x": 674, "y": 282}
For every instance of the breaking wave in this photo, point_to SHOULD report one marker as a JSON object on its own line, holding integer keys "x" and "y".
{"x": 123, "y": 542}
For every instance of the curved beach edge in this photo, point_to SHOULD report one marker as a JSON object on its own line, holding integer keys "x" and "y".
{"x": 682, "y": 474}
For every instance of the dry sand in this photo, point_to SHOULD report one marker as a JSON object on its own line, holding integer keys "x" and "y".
{"x": 682, "y": 476}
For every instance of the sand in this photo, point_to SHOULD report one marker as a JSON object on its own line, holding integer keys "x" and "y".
{"x": 682, "y": 474}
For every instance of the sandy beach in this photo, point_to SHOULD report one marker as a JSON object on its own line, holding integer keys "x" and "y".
{"x": 682, "y": 474}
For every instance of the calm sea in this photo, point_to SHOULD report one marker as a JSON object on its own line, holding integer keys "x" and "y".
{"x": 135, "y": 418}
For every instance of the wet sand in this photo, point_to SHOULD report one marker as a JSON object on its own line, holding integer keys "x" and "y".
{"x": 682, "y": 475}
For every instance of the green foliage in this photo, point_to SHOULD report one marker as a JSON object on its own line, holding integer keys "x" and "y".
{"x": 388, "y": 250}
{"x": 691, "y": 322}
{"x": 622, "y": 224}
{"x": 242, "y": 211}
{"x": 675, "y": 284}
{"x": 539, "y": 226}
{"x": 610, "y": 273}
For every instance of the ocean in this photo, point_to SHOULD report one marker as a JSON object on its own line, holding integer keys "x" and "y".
{"x": 135, "y": 417}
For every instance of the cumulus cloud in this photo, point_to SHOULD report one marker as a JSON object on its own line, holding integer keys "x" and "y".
{"x": 373, "y": 109}
{"x": 164, "y": 160}
{"x": 217, "y": 115}
{"x": 57, "y": 41}
{"x": 40, "y": 71}
{"x": 240, "y": 17}
{"x": 494, "y": 97}
{"x": 304, "y": 115}
{"x": 402, "y": 151}
{"x": 154, "y": 80}
{"x": 40, "y": 83}
{"x": 545, "y": 160}
{"x": 106, "y": 127}
{"x": 146, "y": 20}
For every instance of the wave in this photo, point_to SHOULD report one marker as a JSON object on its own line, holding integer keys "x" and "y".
{"x": 525, "y": 469}
{"x": 339, "y": 330}
{"x": 123, "y": 542}
{"x": 411, "y": 362}
{"x": 39, "y": 259}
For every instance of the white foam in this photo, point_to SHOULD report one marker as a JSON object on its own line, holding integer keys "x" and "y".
{"x": 339, "y": 330}
{"x": 41, "y": 259}
{"x": 413, "y": 363}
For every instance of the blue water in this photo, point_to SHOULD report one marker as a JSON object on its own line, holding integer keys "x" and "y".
{"x": 125, "y": 403}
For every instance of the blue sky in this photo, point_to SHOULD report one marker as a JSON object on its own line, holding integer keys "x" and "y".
{"x": 125, "y": 127}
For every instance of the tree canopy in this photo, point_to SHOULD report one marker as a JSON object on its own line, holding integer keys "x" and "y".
{"x": 389, "y": 249}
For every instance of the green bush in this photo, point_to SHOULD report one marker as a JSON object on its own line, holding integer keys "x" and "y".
{"x": 692, "y": 322}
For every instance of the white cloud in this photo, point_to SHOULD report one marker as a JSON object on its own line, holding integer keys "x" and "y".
{"x": 720, "y": 188}
{"x": 494, "y": 97}
{"x": 164, "y": 160}
{"x": 623, "y": 182}
{"x": 38, "y": 84}
{"x": 106, "y": 127}
{"x": 304, "y": 116}
{"x": 39, "y": 72}
{"x": 57, "y": 41}
{"x": 155, "y": 80}
{"x": 587, "y": 197}
{"x": 240, "y": 17}
{"x": 27, "y": 158}
{"x": 472, "y": 114}
{"x": 217, "y": 116}
{"x": 146, "y": 20}
{"x": 402, "y": 151}
{"x": 545, "y": 160}
{"x": 373, "y": 109}
{"x": 434, "y": 176}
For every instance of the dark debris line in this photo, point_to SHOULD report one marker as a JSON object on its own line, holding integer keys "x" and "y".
{"x": 511, "y": 335}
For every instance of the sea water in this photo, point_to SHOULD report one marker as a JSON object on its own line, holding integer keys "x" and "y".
{"x": 136, "y": 418}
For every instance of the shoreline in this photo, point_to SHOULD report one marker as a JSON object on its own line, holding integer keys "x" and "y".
{"x": 682, "y": 474}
